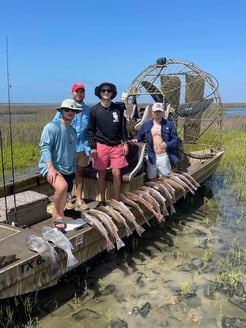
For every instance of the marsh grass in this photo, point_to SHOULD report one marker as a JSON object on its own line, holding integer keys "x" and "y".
{"x": 22, "y": 129}
{"x": 234, "y": 159}
{"x": 27, "y": 122}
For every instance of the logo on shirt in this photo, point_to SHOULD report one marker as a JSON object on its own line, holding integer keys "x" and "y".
{"x": 115, "y": 117}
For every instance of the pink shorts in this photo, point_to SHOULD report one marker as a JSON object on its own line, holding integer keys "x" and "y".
{"x": 109, "y": 156}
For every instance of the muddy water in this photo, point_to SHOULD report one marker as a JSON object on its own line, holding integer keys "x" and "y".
{"x": 188, "y": 272}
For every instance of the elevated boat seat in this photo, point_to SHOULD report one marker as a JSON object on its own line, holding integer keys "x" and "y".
{"x": 135, "y": 159}
{"x": 147, "y": 115}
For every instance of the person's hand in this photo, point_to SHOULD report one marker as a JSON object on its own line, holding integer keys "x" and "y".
{"x": 134, "y": 140}
{"x": 52, "y": 174}
{"x": 93, "y": 153}
{"x": 125, "y": 149}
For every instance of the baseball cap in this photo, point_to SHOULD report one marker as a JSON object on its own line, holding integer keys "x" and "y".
{"x": 77, "y": 86}
{"x": 158, "y": 107}
{"x": 70, "y": 104}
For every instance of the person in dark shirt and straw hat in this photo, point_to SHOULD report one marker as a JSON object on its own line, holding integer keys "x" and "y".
{"x": 107, "y": 136}
{"x": 57, "y": 157}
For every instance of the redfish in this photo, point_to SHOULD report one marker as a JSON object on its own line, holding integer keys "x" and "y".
{"x": 95, "y": 223}
{"x": 117, "y": 217}
{"x": 130, "y": 218}
{"x": 135, "y": 205}
{"x": 110, "y": 226}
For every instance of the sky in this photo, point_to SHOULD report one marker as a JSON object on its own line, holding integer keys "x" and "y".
{"x": 46, "y": 46}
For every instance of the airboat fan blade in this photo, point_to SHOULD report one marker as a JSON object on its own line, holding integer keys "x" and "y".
{"x": 154, "y": 92}
{"x": 195, "y": 108}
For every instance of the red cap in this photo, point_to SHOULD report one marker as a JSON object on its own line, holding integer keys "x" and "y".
{"x": 77, "y": 86}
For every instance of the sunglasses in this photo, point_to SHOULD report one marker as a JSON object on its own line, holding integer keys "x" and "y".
{"x": 67, "y": 110}
{"x": 106, "y": 90}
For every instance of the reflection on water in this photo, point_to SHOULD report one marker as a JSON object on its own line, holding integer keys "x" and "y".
{"x": 187, "y": 272}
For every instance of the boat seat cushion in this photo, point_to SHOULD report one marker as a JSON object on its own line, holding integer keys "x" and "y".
{"x": 135, "y": 159}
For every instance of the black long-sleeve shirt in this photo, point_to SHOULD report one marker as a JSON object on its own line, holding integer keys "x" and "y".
{"x": 106, "y": 125}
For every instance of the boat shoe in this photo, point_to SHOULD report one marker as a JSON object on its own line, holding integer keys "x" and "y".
{"x": 80, "y": 206}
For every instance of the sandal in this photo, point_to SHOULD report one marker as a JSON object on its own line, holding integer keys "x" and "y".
{"x": 81, "y": 206}
{"x": 69, "y": 205}
{"x": 60, "y": 225}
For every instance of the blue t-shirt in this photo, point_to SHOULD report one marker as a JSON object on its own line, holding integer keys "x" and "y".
{"x": 58, "y": 145}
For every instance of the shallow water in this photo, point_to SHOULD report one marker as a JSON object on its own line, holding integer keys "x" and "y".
{"x": 184, "y": 273}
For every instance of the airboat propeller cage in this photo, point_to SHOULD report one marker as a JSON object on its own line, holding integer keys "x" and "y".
{"x": 191, "y": 95}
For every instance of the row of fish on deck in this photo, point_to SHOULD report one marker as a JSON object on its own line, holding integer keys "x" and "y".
{"x": 157, "y": 197}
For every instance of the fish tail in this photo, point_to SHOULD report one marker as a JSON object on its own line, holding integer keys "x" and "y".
{"x": 165, "y": 211}
{"x": 139, "y": 230}
{"x": 159, "y": 217}
{"x": 71, "y": 260}
{"x": 110, "y": 245}
{"x": 147, "y": 222}
{"x": 128, "y": 231}
{"x": 172, "y": 208}
{"x": 119, "y": 243}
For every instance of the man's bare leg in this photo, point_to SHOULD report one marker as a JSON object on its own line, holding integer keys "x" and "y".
{"x": 116, "y": 182}
{"x": 60, "y": 197}
{"x": 102, "y": 184}
{"x": 79, "y": 181}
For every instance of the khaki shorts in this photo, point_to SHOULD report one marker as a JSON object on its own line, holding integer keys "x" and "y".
{"x": 82, "y": 159}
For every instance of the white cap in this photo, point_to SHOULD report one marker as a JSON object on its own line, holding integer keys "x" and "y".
{"x": 158, "y": 107}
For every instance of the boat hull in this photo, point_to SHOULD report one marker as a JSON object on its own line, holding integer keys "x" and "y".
{"x": 24, "y": 271}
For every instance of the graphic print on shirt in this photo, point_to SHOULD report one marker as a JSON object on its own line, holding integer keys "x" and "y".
{"x": 115, "y": 117}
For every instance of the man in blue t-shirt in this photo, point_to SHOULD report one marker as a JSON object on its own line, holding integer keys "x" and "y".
{"x": 57, "y": 157}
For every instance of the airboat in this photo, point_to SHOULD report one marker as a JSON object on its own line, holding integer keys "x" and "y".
{"x": 192, "y": 101}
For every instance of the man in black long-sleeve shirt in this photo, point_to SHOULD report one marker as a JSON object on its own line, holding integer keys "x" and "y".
{"x": 107, "y": 136}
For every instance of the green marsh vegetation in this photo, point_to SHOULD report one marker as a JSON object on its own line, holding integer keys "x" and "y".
{"x": 23, "y": 127}
{"x": 27, "y": 122}
{"x": 234, "y": 159}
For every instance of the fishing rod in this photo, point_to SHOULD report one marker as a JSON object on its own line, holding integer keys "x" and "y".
{"x": 10, "y": 137}
{"x": 3, "y": 176}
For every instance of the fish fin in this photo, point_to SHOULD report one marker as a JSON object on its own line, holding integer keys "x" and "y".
{"x": 119, "y": 243}
{"x": 146, "y": 221}
{"x": 110, "y": 245}
{"x": 71, "y": 260}
{"x": 165, "y": 211}
{"x": 172, "y": 208}
{"x": 140, "y": 230}
{"x": 128, "y": 231}
{"x": 54, "y": 270}
{"x": 159, "y": 217}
